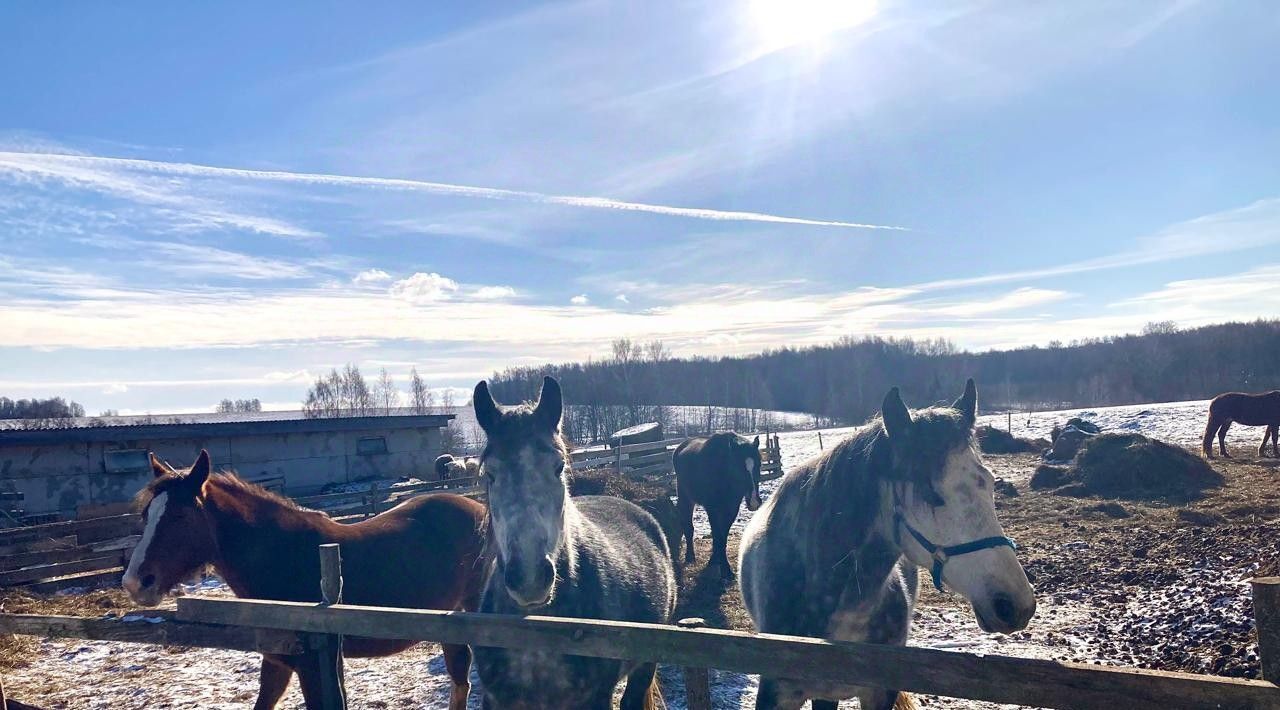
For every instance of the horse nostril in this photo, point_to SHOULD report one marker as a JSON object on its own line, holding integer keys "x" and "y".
{"x": 1005, "y": 610}
{"x": 513, "y": 575}
{"x": 148, "y": 580}
{"x": 546, "y": 572}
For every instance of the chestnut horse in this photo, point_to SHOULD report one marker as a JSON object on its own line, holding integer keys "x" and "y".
{"x": 1247, "y": 409}
{"x": 425, "y": 553}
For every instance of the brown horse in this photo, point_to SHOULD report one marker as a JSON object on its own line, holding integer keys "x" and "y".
{"x": 424, "y": 554}
{"x": 1247, "y": 409}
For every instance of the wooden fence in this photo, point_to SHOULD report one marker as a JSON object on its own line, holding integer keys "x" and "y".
{"x": 286, "y": 627}
{"x": 653, "y": 459}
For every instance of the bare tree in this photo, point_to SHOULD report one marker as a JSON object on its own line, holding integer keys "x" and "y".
{"x": 386, "y": 396}
{"x": 446, "y": 398}
{"x": 420, "y": 395}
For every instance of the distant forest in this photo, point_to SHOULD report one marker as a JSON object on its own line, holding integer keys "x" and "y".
{"x": 846, "y": 380}
{"x": 52, "y": 408}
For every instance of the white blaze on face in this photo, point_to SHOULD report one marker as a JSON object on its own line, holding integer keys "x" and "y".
{"x": 753, "y": 491}
{"x": 132, "y": 583}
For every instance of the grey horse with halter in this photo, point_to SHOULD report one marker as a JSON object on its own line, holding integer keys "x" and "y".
{"x": 834, "y": 552}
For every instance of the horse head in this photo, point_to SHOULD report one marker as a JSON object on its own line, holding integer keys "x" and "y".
{"x": 944, "y": 515}
{"x": 176, "y": 540}
{"x": 523, "y": 467}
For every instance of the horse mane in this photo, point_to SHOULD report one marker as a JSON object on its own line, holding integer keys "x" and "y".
{"x": 842, "y": 486}
{"x": 229, "y": 481}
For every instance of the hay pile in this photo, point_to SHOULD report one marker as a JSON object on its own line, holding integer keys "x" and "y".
{"x": 1131, "y": 466}
{"x": 18, "y": 651}
{"x": 653, "y": 496}
{"x": 998, "y": 441}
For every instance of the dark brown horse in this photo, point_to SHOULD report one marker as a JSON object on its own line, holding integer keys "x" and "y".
{"x": 424, "y": 554}
{"x": 1242, "y": 408}
{"x": 717, "y": 472}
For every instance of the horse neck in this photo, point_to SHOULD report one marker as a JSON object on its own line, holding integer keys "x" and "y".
{"x": 856, "y": 506}
{"x": 258, "y": 539}
{"x": 569, "y": 539}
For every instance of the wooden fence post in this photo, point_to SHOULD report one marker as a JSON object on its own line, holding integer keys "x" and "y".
{"x": 1266, "y": 617}
{"x": 697, "y": 681}
{"x": 328, "y": 647}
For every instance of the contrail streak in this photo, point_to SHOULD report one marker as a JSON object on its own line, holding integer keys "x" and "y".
{"x": 19, "y": 159}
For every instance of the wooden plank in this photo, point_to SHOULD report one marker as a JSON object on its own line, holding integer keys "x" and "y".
{"x": 69, "y": 527}
{"x": 665, "y": 443}
{"x": 662, "y": 457}
{"x": 57, "y": 543}
{"x": 61, "y": 569}
{"x": 88, "y": 511}
{"x": 47, "y": 557}
{"x": 697, "y": 681}
{"x": 169, "y": 632}
{"x": 1001, "y": 679}
{"x": 112, "y": 531}
{"x": 1266, "y": 612}
{"x": 650, "y": 470}
{"x": 88, "y": 580}
{"x": 328, "y": 647}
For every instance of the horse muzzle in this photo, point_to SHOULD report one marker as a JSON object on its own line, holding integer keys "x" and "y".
{"x": 143, "y": 589}
{"x": 1003, "y": 614}
{"x": 753, "y": 501}
{"x": 530, "y": 588}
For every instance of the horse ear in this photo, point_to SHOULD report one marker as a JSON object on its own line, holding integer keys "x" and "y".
{"x": 199, "y": 471}
{"x": 550, "y": 404}
{"x": 487, "y": 413}
{"x": 968, "y": 402}
{"x": 158, "y": 467}
{"x": 895, "y": 415}
{"x": 756, "y": 443}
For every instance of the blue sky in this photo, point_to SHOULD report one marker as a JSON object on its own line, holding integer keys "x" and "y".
{"x": 199, "y": 202}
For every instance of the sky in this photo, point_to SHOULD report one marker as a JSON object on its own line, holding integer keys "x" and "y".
{"x": 200, "y": 201}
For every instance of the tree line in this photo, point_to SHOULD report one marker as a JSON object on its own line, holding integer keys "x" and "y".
{"x": 51, "y": 408}
{"x": 844, "y": 381}
{"x": 346, "y": 393}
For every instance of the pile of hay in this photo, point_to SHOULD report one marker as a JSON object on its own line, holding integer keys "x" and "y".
{"x": 1133, "y": 466}
{"x": 998, "y": 441}
{"x": 654, "y": 497}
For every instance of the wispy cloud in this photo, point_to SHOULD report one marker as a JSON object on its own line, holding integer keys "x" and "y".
{"x": 88, "y": 170}
{"x": 183, "y": 259}
{"x": 171, "y": 203}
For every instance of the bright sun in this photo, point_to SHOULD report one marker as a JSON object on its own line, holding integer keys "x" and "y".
{"x": 783, "y": 23}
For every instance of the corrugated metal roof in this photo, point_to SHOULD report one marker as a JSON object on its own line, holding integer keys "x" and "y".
{"x": 174, "y": 426}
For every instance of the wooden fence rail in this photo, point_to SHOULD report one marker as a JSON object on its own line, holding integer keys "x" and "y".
{"x": 992, "y": 678}
{"x": 308, "y": 628}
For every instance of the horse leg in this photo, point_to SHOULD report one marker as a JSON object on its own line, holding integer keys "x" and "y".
{"x": 273, "y": 681}
{"x": 1209, "y": 431}
{"x": 721, "y": 520}
{"x": 310, "y": 678}
{"x": 824, "y": 704}
{"x": 640, "y": 688}
{"x": 881, "y": 699}
{"x": 777, "y": 694}
{"x": 1275, "y": 440}
{"x": 685, "y": 512}
{"x": 1222, "y": 439}
{"x": 457, "y": 662}
{"x": 1262, "y": 448}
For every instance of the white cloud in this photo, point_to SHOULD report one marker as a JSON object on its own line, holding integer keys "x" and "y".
{"x": 371, "y": 276}
{"x": 424, "y": 288}
{"x": 115, "y": 388}
{"x": 493, "y": 293}
{"x": 622, "y": 298}
{"x": 580, "y": 300}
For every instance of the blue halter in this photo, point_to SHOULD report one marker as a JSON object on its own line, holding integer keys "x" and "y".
{"x": 943, "y": 553}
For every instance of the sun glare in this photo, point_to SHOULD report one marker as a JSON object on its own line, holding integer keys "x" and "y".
{"x": 783, "y": 23}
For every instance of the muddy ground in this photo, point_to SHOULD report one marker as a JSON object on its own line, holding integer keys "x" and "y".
{"x": 1148, "y": 584}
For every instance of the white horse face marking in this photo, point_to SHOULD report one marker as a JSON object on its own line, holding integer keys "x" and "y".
{"x": 527, "y": 498}
{"x": 992, "y": 579}
{"x": 753, "y": 480}
{"x": 150, "y": 593}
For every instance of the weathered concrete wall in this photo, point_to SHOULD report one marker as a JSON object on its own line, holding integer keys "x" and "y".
{"x": 60, "y": 477}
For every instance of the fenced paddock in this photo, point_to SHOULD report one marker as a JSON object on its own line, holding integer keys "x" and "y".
{"x": 295, "y": 628}
{"x": 653, "y": 459}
